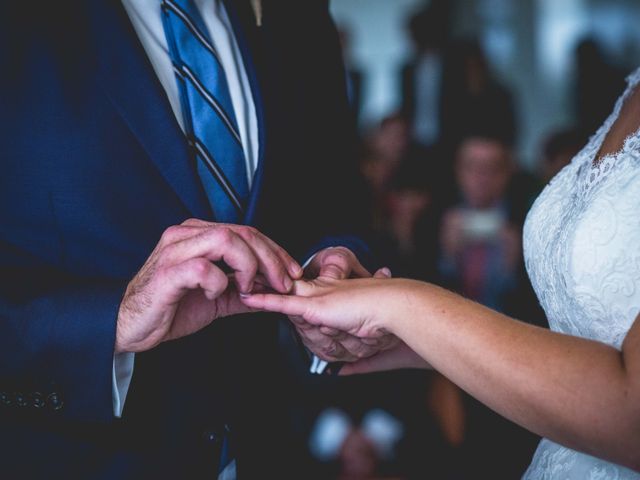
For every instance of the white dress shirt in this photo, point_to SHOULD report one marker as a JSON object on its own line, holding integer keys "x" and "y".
{"x": 146, "y": 18}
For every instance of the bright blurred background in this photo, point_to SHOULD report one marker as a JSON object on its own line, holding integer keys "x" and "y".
{"x": 530, "y": 45}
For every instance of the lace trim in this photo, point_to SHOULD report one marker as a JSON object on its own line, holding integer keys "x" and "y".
{"x": 598, "y": 170}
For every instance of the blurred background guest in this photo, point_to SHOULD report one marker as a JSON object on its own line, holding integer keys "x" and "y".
{"x": 480, "y": 242}
{"x": 423, "y": 76}
{"x": 472, "y": 98}
{"x": 405, "y": 220}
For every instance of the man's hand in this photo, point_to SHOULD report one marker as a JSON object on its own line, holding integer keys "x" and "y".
{"x": 327, "y": 343}
{"x": 179, "y": 290}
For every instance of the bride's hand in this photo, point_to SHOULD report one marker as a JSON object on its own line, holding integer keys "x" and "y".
{"x": 360, "y": 307}
{"x": 400, "y": 356}
{"x": 342, "y": 305}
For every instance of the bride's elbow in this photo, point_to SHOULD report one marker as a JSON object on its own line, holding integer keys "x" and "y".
{"x": 624, "y": 439}
{"x": 633, "y": 445}
{"x": 635, "y": 450}
{"x": 634, "y": 460}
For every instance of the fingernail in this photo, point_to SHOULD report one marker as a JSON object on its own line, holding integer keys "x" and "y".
{"x": 245, "y": 295}
{"x": 385, "y": 271}
{"x": 297, "y": 271}
{"x": 288, "y": 284}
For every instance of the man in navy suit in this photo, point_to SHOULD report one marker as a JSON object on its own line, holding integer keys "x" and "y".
{"x": 112, "y": 244}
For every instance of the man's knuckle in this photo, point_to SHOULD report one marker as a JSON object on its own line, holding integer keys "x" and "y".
{"x": 220, "y": 284}
{"x": 160, "y": 274}
{"x": 223, "y": 236}
{"x": 362, "y": 353}
{"x": 167, "y": 253}
{"x": 190, "y": 222}
{"x": 170, "y": 234}
{"x": 337, "y": 258}
{"x": 251, "y": 232}
{"x": 334, "y": 254}
{"x": 330, "y": 349}
{"x": 272, "y": 259}
{"x": 200, "y": 267}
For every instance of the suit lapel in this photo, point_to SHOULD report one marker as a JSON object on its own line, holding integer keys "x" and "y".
{"x": 129, "y": 81}
{"x": 248, "y": 37}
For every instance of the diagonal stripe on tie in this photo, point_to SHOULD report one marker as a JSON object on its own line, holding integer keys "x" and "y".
{"x": 209, "y": 118}
{"x": 188, "y": 73}
{"x": 198, "y": 56}
{"x": 195, "y": 30}
{"x": 217, "y": 172}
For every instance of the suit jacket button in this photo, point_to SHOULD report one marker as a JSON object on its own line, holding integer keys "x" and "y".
{"x": 37, "y": 400}
{"x": 20, "y": 400}
{"x": 5, "y": 399}
{"x": 54, "y": 401}
{"x": 210, "y": 436}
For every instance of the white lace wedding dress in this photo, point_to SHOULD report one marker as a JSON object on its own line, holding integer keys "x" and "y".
{"x": 582, "y": 251}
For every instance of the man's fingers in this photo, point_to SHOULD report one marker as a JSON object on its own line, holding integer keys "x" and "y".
{"x": 176, "y": 233}
{"x": 194, "y": 222}
{"x": 189, "y": 275}
{"x": 356, "y": 347}
{"x": 357, "y": 270}
{"x": 340, "y": 263}
{"x": 217, "y": 244}
{"x": 332, "y": 332}
{"x": 293, "y": 267}
{"x": 214, "y": 241}
{"x": 334, "y": 271}
{"x": 273, "y": 262}
{"x": 324, "y": 347}
{"x": 384, "y": 272}
{"x": 299, "y": 322}
{"x": 335, "y": 263}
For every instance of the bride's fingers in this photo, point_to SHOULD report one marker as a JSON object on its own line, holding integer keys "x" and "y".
{"x": 289, "y": 305}
{"x": 381, "y": 362}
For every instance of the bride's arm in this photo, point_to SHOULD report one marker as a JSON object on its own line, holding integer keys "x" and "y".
{"x": 577, "y": 392}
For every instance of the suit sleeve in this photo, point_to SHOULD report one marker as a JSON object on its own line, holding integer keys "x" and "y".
{"x": 57, "y": 339}
{"x": 336, "y": 195}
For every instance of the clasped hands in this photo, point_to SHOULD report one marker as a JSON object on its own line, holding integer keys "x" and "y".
{"x": 182, "y": 287}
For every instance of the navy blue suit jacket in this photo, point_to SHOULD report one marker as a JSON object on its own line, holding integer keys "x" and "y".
{"x": 94, "y": 169}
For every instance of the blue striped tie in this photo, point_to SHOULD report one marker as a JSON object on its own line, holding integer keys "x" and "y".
{"x": 208, "y": 113}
